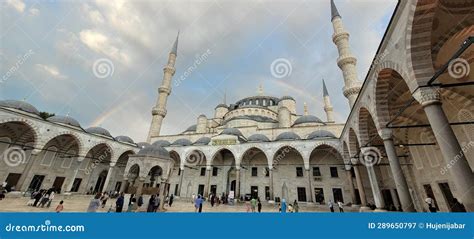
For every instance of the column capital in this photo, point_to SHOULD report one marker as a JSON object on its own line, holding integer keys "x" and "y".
{"x": 208, "y": 167}
{"x": 112, "y": 164}
{"x": 142, "y": 179}
{"x": 427, "y": 95}
{"x": 354, "y": 161}
{"x": 237, "y": 167}
{"x": 386, "y": 134}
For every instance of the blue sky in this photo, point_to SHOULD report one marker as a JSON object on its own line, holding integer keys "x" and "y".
{"x": 48, "y": 50}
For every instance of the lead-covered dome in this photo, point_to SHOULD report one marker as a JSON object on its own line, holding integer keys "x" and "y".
{"x": 232, "y": 131}
{"x": 67, "y": 120}
{"x": 19, "y": 105}
{"x": 258, "y": 138}
{"x": 181, "y": 142}
{"x": 222, "y": 106}
{"x": 162, "y": 143}
{"x": 286, "y": 97}
{"x": 154, "y": 151}
{"x": 308, "y": 119}
{"x": 124, "y": 139}
{"x": 203, "y": 141}
{"x": 287, "y": 136}
{"x": 143, "y": 145}
{"x": 321, "y": 134}
{"x": 99, "y": 131}
{"x": 191, "y": 128}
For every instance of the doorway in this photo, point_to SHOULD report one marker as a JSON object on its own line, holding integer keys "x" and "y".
{"x": 214, "y": 189}
{"x": 58, "y": 184}
{"x": 99, "y": 185}
{"x": 358, "y": 202}
{"x": 448, "y": 195}
{"x": 301, "y": 194}
{"x": 387, "y": 198}
{"x": 76, "y": 184}
{"x": 201, "y": 189}
{"x": 430, "y": 194}
{"x": 36, "y": 182}
{"x": 337, "y": 194}
{"x": 254, "y": 191}
{"x": 319, "y": 195}
{"x": 12, "y": 180}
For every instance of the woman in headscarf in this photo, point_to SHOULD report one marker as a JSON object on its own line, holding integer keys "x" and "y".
{"x": 283, "y": 206}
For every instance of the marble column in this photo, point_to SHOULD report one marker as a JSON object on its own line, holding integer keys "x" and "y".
{"x": 180, "y": 181}
{"x": 77, "y": 165}
{"x": 141, "y": 180}
{"x": 124, "y": 185}
{"x": 397, "y": 172}
{"x": 237, "y": 183}
{"x": 394, "y": 195}
{"x": 208, "y": 181}
{"x": 109, "y": 176}
{"x": 456, "y": 163}
{"x": 360, "y": 185}
{"x": 26, "y": 171}
{"x": 379, "y": 203}
{"x": 351, "y": 186}
{"x": 310, "y": 185}
{"x": 271, "y": 184}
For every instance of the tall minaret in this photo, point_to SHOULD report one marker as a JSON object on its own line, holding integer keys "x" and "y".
{"x": 159, "y": 111}
{"x": 346, "y": 61}
{"x": 327, "y": 105}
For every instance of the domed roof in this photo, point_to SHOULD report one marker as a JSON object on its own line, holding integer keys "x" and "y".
{"x": 162, "y": 143}
{"x": 124, "y": 139}
{"x": 221, "y": 106}
{"x": 286, "y": 97}
{"x": 321, "y": 134}
{"x": 143, "y": 144}
{"x": 19, "y": 105}
{"x": 202, "y": 141}
{"x": 64, "y": 120}
{"x": 232, "y": 131}
{"x": 191, "y": 128}
{"x": 181, "y": 142}
{"x": 98, "y": 130}
{"x": 154, "y": 151}
{"x": 308, "y": 119}
{"x": 258, "y": 138}
{"x": 287, "y": 136}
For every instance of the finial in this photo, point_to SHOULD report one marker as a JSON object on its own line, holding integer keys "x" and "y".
{"x": 305, "y": 106}
{"x": 260, "y": 90}
{"x": 174, "y": 50}
{"x": 334, "y": 12}
{"x": 325, "y": 90}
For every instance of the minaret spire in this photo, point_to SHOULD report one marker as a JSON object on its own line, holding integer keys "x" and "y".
{"x": 305, "y": 106}
{"x": 159, "y": 111}
{"x": 327, "y": 105}
{"x": 260, "y": 90}
{"x": 346, "y": 61}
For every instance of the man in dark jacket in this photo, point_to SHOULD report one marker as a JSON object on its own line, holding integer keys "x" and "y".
{"x": 119, "y": 203}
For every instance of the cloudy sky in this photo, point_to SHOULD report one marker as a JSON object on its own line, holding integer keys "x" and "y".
{"x": 101, "y": 62}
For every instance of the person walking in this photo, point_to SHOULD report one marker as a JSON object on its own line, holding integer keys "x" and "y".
{"x": 296, "y": 208}
{"x": 193, "y": 200}
{"x": 94, "y": 204}
{"x": 283, "y": 206}
{"x": 170, "y": 201}
{"x": 60, "y": 207}
{"x": 51, "y": 197}
{"x": 430, "y": 203}
{"x": 140, "y": 202}
{"x": 213, "y": 199}
{"x": 132, "y": 196}
{"x": 259, "y": 205}
{"x": 37, "y": 196}
{"x": 341, "y": 206}
{"x": 198, "y": 204}
{"x": 104, "y": 199}
{"x": 331, "y": 206}
{"x": 253, "y": 204}
{"x": 151, "y": 204}
{"x": 157, "y": 203}
{"x": 44, "y": 199}
{"x": 119, "y": 203}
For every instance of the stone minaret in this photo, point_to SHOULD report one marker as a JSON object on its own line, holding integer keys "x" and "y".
{"x": 327, "y": 105}
{"x": 159, "y": 111}
{"x": 346, "y": 61}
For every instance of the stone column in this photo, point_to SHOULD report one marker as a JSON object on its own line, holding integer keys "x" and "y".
{"x": 109, "y": 175}
{"x": 141, "y": 180}
{"x": 74, "y": 175}
{"x": 397, "y": 172}
{"x": 456, "y": 162}
{"x": 351, "y": 186}
{"x": 271, "y": 184}
{"x": 26, "y": 171}
{"x": 162, "y": 194}
{"x": 237, "y": 183}
{"x": 124, "y": 185}
{"x": 360, "y": 185}
{"x": 208, "y": 181}
{"x": 394, "y": 195}
{"x": 180, "y": 181}
{"x": 310, "y": 185}
{"x": 379, "y": 203}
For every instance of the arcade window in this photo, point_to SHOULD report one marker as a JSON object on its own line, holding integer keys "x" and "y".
{"x": 299, "y": 172}
{"x": 203, "y": 171}
{"x": 334, "y": 172}
{"x": 214, "y": 171}
{"x": 254, "y": 171}
{"x": 316, "y": 172}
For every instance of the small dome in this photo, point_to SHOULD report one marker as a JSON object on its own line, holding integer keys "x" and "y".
{"x": 287, "y": 136}
{"x": 19, "y": 105}
{"x": 203, "y": 141}
{"x": 191, "y": 128}
{"x": 64, "y": 120}
{"x": 181, "y": 142}
{"x": 154, "y": 151}
{"x": 143, "y": 145}
{"x": 98, "y": 130}
{"x": 124, "y": 139}
{"x": 308, "y": 119}
{"x": 221, "y": 106}
{"x": 232, "y": 131}
{"x": 321, "y": 134}
{"x": 286, "y": 97}
{"x": 258, "y": 138}
{"x": 162, "y": 143}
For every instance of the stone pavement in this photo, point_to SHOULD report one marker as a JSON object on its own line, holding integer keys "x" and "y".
{"x": 79, "y": 203}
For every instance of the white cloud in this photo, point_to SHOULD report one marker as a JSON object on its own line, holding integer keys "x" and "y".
{"x": 34, "y": 11}
{"x": 100, "y": 43}
{"x": 51, "y": 70}
{"x": 17, "y": 5}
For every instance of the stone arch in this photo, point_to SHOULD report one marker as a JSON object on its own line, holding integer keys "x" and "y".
{"x": 251, "y": 151}
{"x": 216, "y": 151}
{"x": 108, "y": 145}
{"x": 33, "y": 128}
{"x": 77, "y": 138}
{"x": 364, "y": 129}
{"x": 354, "y": 145}
{"x": 194, "y": 156}
{"x": 285, "y": 149}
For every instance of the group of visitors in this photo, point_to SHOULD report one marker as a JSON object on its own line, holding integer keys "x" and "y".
{"x": 43, "y": 198}
{"x": 254, "y": 205}
{"x": 290, "y": 207}
{"x": 340, "y": 205}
